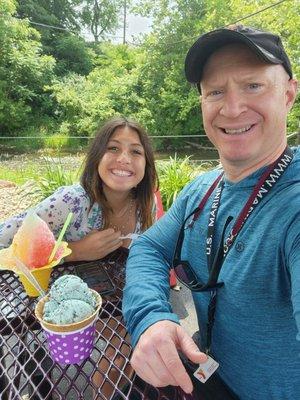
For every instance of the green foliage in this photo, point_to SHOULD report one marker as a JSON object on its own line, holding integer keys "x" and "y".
{"x": 55, "y": 76}
{"x": 23, "y": 72}
{"x": 101, "y": 17}
{"x": 50, "y": 173}
{"x": 56, "y": 142}
{"x": 111, "y": 88}
{"x": 174, "y": 175}
{"x": 62, "y": 13}
{"x": 21, "y": 145}
{"x": 54, "y": 176}
{"x": 18, "y": 175}
{"x": 72, "y": 55}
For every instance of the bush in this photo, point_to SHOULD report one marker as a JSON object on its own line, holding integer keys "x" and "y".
{"x": 54, "y": 176}
{"x": 174, "y": 175}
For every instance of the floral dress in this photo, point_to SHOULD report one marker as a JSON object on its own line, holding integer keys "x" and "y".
{"x": 55, "y": 209}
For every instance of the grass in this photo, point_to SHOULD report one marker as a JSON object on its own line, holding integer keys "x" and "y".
{"x": 50, "y": 173}
{"x": 48, "y": 144}
{"x": 56, "y": 175}
{"x": 19, "y": 175}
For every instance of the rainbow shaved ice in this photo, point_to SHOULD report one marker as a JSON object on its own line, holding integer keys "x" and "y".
{"x": 32, "y": 245}
{"x": 34, "y": 242}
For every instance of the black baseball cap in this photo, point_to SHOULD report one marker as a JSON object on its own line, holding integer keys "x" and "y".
{"x": 266, "y": 45}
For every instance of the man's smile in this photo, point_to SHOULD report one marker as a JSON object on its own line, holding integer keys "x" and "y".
{"x": 236, "y": 131}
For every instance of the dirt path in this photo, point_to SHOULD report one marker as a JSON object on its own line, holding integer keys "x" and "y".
{"x": 14, "y": 199}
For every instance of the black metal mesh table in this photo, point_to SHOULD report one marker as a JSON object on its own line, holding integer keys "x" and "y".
{"x": 28, "y": 372}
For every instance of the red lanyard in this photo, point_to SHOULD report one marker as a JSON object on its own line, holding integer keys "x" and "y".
{"x": 268, "y": 179}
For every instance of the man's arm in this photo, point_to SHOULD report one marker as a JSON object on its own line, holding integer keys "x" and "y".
{"x": 153, "y": 327}
{"x": 292, "y": 251}
{"x": 146, "y": 294}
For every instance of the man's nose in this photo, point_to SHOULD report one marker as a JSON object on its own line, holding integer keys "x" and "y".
{"x": 234, "y": 104}
{"x": 124, "y": 157}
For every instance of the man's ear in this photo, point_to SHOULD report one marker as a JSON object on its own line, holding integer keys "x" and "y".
{"x": 291, "y": 93}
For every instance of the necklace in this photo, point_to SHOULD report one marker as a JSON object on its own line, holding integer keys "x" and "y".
{"x": 122, "y": 226}
{"x": 124, "y": 210}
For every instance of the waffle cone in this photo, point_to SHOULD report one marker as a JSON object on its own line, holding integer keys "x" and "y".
{"x": 39, "y": 311}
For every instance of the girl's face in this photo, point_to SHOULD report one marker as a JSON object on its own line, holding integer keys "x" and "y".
{"x": 122, "y": 166}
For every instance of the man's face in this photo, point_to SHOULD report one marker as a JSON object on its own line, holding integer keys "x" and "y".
{"x": 244, "y": 105}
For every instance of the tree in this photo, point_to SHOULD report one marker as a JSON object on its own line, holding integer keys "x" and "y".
{"x": 59, "y": 23}
{"x": 60, "y": 13}
{"x": 101, "y": 17}
{"x": 72, "y": 54}
{"x": 24, "y": 72}
{"x": 173, "y": 103}
{"x": 111, "y": 88}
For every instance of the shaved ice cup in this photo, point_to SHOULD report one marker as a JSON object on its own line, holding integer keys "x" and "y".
{"x": 70, "y": 343}
{"x": 42, "y": 274}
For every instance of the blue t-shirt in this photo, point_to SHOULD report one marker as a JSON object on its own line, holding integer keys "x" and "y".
{"x": 257, "y": 317}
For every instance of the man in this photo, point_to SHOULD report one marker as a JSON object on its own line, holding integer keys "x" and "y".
{"x": 240, "y": 251}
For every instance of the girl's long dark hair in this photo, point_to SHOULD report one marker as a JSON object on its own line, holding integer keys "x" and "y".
{"x": 91, "y": 181}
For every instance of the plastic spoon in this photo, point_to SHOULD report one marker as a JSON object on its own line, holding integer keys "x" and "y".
{"x": 26, "y": 271}
{"x": 60, "y": 237}
{"x": 131, "y": 236}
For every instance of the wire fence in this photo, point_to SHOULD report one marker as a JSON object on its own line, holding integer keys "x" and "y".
{"x": 201, "y": 154}
{"x": 90, "y": 137}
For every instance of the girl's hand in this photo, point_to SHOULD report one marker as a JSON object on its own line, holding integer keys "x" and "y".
{"x": 95, "y": 245}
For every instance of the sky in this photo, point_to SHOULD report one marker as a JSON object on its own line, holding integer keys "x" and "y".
{"x": 135, "y": 25}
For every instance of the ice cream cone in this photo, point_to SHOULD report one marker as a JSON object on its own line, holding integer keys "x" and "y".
{"x": 70, "y": 343}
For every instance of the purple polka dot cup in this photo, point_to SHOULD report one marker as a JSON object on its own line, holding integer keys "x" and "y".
{"x": 70, "y": 343}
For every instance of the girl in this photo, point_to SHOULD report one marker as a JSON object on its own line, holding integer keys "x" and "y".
{"x": 115, "y": 197}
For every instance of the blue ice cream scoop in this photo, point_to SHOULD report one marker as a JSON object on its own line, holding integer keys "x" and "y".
{"x": 66, "y": 312}
{"x": 70, "y": 300}
{"x": 71, "y": 287}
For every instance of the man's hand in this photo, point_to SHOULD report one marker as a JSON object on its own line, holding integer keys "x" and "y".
{"x": 156, "y": 360}
{"x": 95, "y": 245}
